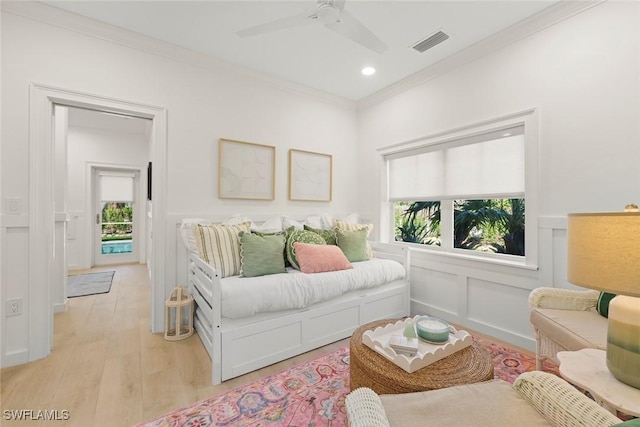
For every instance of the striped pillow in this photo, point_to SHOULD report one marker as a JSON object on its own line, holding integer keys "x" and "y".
{"x": 219, "y": 246}
{"x": 341, "y": 225}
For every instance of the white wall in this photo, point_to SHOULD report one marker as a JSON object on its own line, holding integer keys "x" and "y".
{"x": 204, "y": 102}
{"x": 582, "y": 76}
{"x": 98, "y": 147}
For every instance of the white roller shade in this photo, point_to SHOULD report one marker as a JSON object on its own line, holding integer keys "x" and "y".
{"x": 484, "y": 166}
{"x": 116, "y": 187}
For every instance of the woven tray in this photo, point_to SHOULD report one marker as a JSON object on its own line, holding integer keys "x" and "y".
{"x": 378, "y": 340}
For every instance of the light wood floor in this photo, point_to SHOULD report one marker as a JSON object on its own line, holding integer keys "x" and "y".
{"x": 107, "y": 369}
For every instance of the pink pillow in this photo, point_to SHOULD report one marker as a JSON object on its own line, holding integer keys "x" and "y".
{"x": 319, "y": 258}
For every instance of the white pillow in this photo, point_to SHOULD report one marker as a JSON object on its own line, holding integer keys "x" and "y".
{"x": 272, "y": 225}
{"x": 315, "y": 222}
{"x": 287, "y": 222}
{"x": 187, "y": 232}
{"x": 237, "y": 219}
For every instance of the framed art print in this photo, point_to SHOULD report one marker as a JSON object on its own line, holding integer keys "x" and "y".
{"x": 246, "y": 170}
{"x": 310, "y": 176}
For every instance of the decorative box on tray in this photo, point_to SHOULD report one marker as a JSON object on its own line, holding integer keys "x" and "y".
{"x": 426, "y": 354}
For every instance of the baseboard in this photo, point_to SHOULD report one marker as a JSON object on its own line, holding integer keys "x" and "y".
{"x": 15, "y": 358}
{"x": 60, "y": 308}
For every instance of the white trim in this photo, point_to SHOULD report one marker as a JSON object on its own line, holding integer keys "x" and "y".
{"x": 39, "y": 309}
{"x": 100, "y": 30}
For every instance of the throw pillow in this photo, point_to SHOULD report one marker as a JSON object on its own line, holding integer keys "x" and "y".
{"x": 602, "y": 307}
{"x": 219, "y": 246}
{"x": 341, "y": 225}
{"x": 314, "y": 258}
{"x": 304, "y": 236}
{"x": 353, "y": 244}
{"x": 286, "y": 233}
{"x": 261, "y": 254}
{"x": 329, "y": 236}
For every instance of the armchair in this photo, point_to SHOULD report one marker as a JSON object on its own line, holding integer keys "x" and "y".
{"x": 565, "y": 319}
{"x": 535, "y": 399}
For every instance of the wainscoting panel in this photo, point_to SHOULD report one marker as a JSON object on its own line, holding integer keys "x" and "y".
{"x": 437, "y": 290}
{"x": 487, "y": 297}
{"x": 490, "y": 304}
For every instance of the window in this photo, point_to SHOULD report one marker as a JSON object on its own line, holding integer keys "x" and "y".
{"x": 469, "y": 191}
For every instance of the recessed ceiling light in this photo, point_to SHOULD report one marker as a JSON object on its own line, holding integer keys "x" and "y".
{"x": 367, "y": 71}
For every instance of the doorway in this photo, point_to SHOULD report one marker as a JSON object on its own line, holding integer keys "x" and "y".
{"x": 42, "y": 207}
{"x": 116, "y": 234}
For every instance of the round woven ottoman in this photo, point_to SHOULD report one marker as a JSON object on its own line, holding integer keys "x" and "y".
{"x": 369, "y": 369}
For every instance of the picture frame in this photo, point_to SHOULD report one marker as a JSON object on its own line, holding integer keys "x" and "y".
{"x": 310, "y": 176}
{"x": 246, "y": 170}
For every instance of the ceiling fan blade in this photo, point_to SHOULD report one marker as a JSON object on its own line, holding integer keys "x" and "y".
{"x": 278, "y": 24}
{"x": 353, "y": 29}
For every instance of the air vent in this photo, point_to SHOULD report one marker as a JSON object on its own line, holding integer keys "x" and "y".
{"x": 430, "y": 41}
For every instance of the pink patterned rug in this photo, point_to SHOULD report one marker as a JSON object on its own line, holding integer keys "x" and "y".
{"x": 308, "y": 395}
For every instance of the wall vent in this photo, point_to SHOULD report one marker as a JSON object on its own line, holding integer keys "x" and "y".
{"x": 430, "y": 41}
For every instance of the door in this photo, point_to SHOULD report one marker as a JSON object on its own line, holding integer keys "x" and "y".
{"x": 116, "y": 216}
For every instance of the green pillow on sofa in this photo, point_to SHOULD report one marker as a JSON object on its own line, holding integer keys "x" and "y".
{"x": 353, "y": 244}
{"x": 302, "y": 236}
{"x": 329, "y": 236}
{"x": 261, "y": 254}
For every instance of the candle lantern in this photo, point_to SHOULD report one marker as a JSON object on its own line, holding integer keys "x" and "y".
{"x": 178, "y": 316}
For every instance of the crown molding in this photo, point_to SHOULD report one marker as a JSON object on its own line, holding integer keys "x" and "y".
{"x": 73, "y": 22}
{"x": 525, "y": 28}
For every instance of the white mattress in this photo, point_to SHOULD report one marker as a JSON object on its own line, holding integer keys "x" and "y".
{"x": 247, "y": 296}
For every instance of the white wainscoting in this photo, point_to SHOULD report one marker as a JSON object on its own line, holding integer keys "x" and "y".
{"x": 489, "y": 298}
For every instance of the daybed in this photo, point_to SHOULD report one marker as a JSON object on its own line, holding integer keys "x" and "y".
{"x": 246, "y": 323}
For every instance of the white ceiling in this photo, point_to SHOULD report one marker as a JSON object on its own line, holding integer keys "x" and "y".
{"x": 312, "y": 55}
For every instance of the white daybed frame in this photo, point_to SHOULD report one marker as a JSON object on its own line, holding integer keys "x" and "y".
{"x": 238, "y": 346}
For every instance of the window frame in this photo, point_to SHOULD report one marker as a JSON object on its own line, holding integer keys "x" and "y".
{"x": 528, "y": 119}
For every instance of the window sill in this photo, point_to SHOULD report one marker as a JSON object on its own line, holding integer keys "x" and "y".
{"x": 458, "y": 255}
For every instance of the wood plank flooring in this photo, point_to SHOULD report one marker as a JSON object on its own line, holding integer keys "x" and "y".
{"x": 108, "y": 369}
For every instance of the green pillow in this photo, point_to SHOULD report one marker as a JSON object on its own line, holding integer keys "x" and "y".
{"x": 329, "y": 236}
{"x": 286, "y": 233}
{"x": 303, "y": 236}
{"x": 353, "y": 244}
{"x": 261, "y": 254}
{"x": 602, "y": 306}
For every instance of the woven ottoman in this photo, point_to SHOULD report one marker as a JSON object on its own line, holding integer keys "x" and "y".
{"x": 472, "y": 364}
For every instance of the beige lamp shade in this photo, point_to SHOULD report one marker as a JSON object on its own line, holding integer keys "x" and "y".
{"x": 603, "y": 252}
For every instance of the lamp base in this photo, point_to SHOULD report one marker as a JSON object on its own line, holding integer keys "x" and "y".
{"x": 623, "y": 340}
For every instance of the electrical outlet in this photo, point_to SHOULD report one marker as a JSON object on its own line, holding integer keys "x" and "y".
{"x": 14, "y": 307}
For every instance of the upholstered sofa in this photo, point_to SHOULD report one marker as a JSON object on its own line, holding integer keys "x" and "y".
{"x": 564, "y": 319}
{"x": 535, "y": 399}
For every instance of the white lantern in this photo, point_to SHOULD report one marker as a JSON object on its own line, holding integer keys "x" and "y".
{"x": 178, "y": 316}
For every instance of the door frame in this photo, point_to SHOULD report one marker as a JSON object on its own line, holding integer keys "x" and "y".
{"x": 139, "y": 212}
{"x": 39, "y": 305}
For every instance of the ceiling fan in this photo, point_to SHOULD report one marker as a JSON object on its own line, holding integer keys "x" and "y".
{"x": 331, "y": 13}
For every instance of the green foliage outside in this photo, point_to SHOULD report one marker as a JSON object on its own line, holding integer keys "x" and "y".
{"x": 117, "y": 221}
{"x": 494, "y": 225}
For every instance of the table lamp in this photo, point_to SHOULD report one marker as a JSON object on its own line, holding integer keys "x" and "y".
{"x": 603, "y": 253}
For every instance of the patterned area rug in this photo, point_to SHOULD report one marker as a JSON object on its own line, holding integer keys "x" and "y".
{"x": 82, "y": 285}
{"x": 308, "y": 395}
